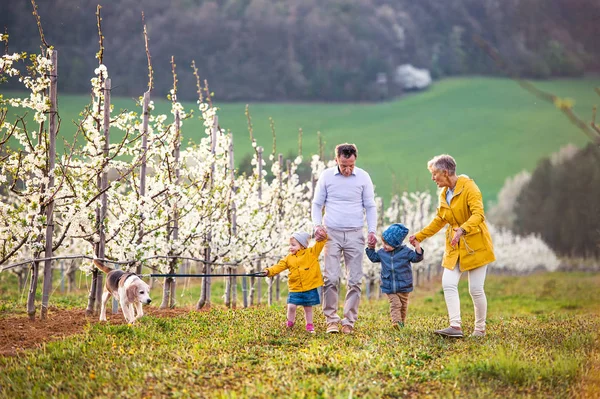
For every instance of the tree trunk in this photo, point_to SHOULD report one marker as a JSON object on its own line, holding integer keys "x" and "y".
{"x": 205, "y": 290}
{"x": 166, "y": 294}
{"x": 71, "y": 277}
{"x": 245, "y": 291}
{"x": 32, "y": 289}
{"x": 21, "y": 276}
{"x": 89, "y": 311}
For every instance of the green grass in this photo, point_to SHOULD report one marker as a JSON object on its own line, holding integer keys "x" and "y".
{"x": 491, "y": 126}
{"x": 224, "y": 353}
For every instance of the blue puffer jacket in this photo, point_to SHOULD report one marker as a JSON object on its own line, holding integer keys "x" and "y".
{"x": 396, "y": 270}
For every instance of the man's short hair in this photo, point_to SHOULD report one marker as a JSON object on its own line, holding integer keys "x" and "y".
{"x": 442, "y": 162}
{"x": 346, "y": 150}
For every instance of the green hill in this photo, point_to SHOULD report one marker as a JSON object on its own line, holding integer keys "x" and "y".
{"x": 492, "y": 127}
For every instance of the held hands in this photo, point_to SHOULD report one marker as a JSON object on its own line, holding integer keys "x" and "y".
{"x": 417, "y": 246}
{"x": 413, "y": 241}
{"x": 371, "y": 240}
{"x": 459, "y": 232}
{"x": 320, "y": 233}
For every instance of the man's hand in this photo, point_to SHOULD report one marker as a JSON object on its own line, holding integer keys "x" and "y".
{"x": 320, "y": 233}
{"x": 459, "y": 232}
{"x": 371, "y": 240}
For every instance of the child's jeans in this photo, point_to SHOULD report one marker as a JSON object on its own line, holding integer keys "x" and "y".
{"x": 398, "y": 306}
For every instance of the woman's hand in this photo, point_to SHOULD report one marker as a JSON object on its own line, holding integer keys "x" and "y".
{"x": 459, "y": 232}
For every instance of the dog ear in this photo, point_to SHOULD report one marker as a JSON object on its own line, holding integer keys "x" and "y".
{"x": 132, "y": 293}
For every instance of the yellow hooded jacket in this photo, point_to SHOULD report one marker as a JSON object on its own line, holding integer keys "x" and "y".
{"x": 465, "y": 210}
{"x": 305, "y": 271}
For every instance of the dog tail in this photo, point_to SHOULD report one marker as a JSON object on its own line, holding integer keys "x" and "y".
{"x": 101, "y": 266}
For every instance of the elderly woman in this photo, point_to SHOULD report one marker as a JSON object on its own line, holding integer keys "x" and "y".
{"x": 468, "y": 242}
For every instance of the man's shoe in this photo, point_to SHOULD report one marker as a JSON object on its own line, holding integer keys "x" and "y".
{"x": 347, "y": 329}
{"x": 450, "y": 332}
{"x": 332, "y": 328}
{"x": 478, "y": 333}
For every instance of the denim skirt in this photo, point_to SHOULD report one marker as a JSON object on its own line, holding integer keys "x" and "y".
{"x": 306, "y": 298}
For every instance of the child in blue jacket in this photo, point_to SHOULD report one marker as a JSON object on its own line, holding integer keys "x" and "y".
{"x": 396, "y": 269}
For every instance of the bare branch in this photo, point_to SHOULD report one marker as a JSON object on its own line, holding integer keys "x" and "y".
{"x": 564, "y": 106}
{"x": 39, "y": 25}
{"x": 150, "y": 70}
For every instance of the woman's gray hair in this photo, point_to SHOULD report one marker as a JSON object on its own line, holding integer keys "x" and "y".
{"x": 442, "y": 162}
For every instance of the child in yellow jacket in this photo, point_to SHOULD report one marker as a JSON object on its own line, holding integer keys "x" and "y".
{"x": 304, "y": 277}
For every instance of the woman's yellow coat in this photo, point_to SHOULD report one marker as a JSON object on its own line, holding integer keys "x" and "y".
{"x": 465, "y": 210}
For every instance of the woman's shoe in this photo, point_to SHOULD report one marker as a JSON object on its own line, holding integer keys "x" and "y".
{"x": 450, "y": 332}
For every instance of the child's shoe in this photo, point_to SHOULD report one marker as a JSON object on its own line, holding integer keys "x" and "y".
{"x": 289, "y": 324}
{"x": 399, "y": 325}
{"x": 310, "y": 328}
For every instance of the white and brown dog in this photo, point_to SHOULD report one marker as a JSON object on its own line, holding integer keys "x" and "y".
{"x": 130, "y": 290}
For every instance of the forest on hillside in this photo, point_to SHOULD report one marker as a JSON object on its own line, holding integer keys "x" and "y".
{"x": 332, "y": 50}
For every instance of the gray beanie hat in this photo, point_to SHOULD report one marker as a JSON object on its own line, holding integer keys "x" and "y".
{"x": 302, "y": 237}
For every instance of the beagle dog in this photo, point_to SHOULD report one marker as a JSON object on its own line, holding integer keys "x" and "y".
{"x": 130, "y": 290}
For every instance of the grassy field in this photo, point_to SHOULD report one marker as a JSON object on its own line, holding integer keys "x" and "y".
{"x": 542, "y": 341}
{"x": 491, "y": 126}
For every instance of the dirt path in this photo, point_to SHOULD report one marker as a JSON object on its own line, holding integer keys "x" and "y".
{"x": 19, "y": 333}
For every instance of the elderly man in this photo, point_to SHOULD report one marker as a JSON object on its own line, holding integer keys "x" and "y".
{"x": 347, "y": 194}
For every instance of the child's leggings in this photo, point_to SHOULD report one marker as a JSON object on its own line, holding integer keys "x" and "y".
{"x": 291, "y": 313}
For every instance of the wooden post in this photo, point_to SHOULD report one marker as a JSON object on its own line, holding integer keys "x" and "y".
{"x": 206, "y": 281}
{"x": 168, "y": 299}
{"x": 278, "y": 277}
{"x": 102, "y": 181}
{"x": 231, "y": 282}
{"x": 176, "y": 155}
{"x": 253, "y": 280}
{"x": 47, "y": 287}
{"x": 145, "y": 118}
{"x": 104, "y": 197}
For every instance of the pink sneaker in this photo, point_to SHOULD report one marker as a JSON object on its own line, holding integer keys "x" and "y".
{"x": 289, "y": 324}
{"x": 310, "y": 328}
